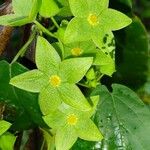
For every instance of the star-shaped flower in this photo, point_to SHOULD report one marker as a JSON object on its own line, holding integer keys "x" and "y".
{"x": 77, "y": 49}
{"x": 93, "y": 19}
{"x": 104, "y": 55}
{"x": 55, "y": 79}
{"x": 70, "y": 124}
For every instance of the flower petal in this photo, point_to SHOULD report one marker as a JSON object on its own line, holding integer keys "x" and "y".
{"x": 87, "y": 130}
{"x": 49, "y": 100}
{"x": 79, "y": 8}
{"x": 114, "y": 20}
{"x": 77, "y": 30}
{"x": 74, "y": 69}
{"x": 47, "y": 59}
{"x": 4, "y": 126}
{"x": 65, "y": 138}
{"x": 33, "y": 81}
{"x": 106, "y": 63}
{"x": 55, "y": 119}
{"x": 72, "y": 96}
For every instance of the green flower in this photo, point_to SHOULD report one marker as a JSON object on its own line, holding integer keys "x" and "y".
{"x": 104, "y": 55}
{"x": 25, "y": 11}
{"x": 55, "y": 79}
{"x": 93, "y": 19}
{"x": 77, "y": 49}
{"x": 70, "y": 124}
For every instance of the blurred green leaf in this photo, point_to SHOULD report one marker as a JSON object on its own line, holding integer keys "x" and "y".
{"x": 126, "y": 2}
{"x": 132, "y": 55}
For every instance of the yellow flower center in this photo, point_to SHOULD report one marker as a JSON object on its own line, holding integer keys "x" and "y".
{"x": 76, "y": 51}
{"x": 72, "y": 119}
{"x": 93, "y": 20}
{"x": 55, "y": 80}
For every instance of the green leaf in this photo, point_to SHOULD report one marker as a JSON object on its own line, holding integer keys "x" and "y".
{"x": 132, "y": 68}
{"x": 72, "y": 96}
{"x": 74, "y": 69}
{"x": 106, "y": 42}
{"x": 24, "y": 12}
{"x": 77, "y": 30}
{"x": 127, "y": 116}
{"x": 22, "y": 7}
{"x": 95, "y": 100}
{"x": 48, "y": 139}
{"x": 49, "y": 100}
{"x": 21, "y": 107}
{"x": 49, "y": 8}
{"x": 33, "y": 81}
{"x": 4, "y": 20}
{"x": 61, "y": 30}
{"x": 123, "y": 119}
{"x": 4, "y": 126}
{"x": 65, "y": 10}
{"x": 87, "y": 130}
{"x": 114, "y": 20}
{"x": 47, "y": 59}
{"x": 7, "y": 141}
{"x": 13, "y": 20}
{"x": 36, "y": 4}
{"x": 106, "y": 63}
{"x": 127, "y": 3}
{"x": 98, "y": 34}
{"x": 65, "y": 138}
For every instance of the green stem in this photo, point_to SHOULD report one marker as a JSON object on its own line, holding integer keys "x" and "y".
{"x": 43, "y": 143}
{"x": 81, "y": 84}
{"x": 43, "y": 29}
{"x": 98, "y": 79}
{"x": 24, "y": 48}
{"x": 55, "y": 23}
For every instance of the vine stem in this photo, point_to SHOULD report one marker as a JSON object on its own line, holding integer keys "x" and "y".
{"x": 98, "y": 79}
{"x": 81, "y": 84}
{"x": 43, "y": 29}
{"x": 55, "y": 23}
{"x": 24, "y": 48}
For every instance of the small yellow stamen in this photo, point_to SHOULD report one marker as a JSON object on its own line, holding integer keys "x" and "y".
{"x": 76, "y": 51}
{"x": 72, "y": 119}
{"x": 55, "y": 80}
{"x": 93, "y": 19}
